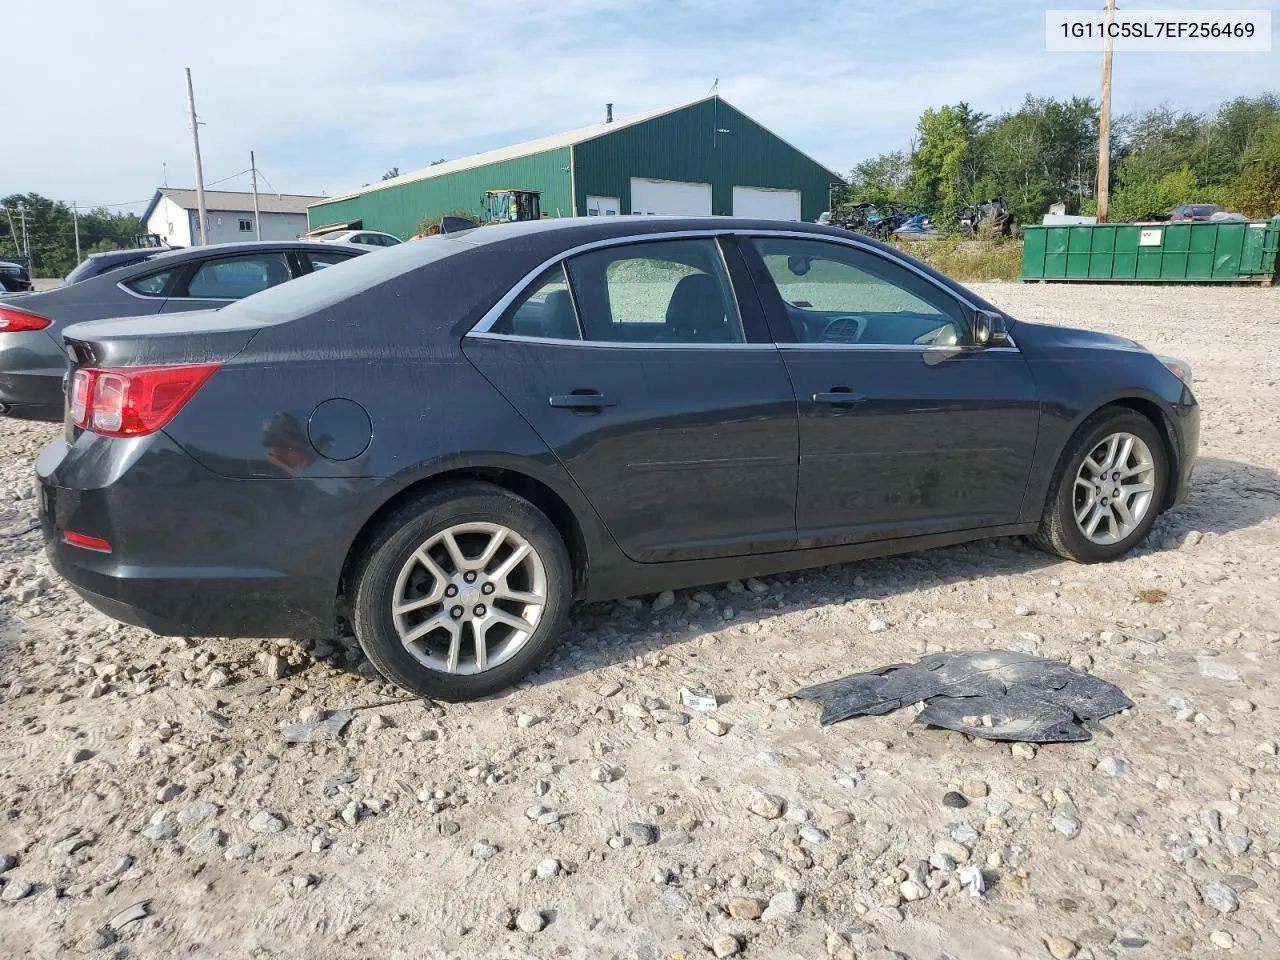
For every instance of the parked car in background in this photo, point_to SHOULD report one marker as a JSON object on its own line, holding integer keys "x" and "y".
{"x": 33, "y": 356}
{"x": 97, "y": 264}
{"x": 1195, "y": 211}
{"x": 451, "y": 441}
{"x": 368, "y": 238}
{"x": 14, "y": 277}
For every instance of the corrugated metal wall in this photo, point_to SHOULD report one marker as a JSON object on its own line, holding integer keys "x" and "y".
{"x": 399, "y": 209}
{"x": 685, "y": 145}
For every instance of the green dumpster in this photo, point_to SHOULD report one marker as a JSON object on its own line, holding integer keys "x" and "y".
{"x": 1230, "y": 251}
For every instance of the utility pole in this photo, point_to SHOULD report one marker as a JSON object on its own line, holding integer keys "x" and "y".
{"x": 75, "y": 220}
{"x": 195, "y": 142}
{"x": 257, "y": 217}
{"x": 1104, "y": 120}
{"x": 26, "y": 239}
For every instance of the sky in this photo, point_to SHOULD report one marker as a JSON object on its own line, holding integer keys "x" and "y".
{"x": 332, "y": 93}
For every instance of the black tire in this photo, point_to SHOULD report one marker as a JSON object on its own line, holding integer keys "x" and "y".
{"x": 395, "y": 542}
{"x": 1059, "y": 533}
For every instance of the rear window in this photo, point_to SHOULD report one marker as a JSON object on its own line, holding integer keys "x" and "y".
{"x": 91, "y": 268}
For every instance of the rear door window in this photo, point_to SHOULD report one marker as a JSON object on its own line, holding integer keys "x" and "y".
{"x": 670, "y": 291}
{"x": 231, "y": 278}
{"x": 544, "y": 311}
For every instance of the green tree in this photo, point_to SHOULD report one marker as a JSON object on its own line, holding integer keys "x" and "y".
{"x": 393, "y": 172}
{"x": 1238, "y": 132}
{"x": 51, "y": 228}
{"x": 1143, "y": 198}
{"x": 938, "y": 164}
{"x": 1040, "y": 154}
{"x": 1256, "y": 191}
{"x": 880, "y": 180}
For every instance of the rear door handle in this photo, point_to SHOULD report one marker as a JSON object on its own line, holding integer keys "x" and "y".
{"x": 838, "y": 396}
{"x": 582, "y": 401}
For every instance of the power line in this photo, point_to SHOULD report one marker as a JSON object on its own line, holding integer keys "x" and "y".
{"x": 134, "y": 203}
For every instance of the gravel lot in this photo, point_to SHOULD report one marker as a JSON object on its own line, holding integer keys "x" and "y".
{"x": 587, "y": 814}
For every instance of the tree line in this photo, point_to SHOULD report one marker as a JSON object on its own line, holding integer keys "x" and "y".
{"x": 51, "y": 230}
{"x": 1046, "y": 152}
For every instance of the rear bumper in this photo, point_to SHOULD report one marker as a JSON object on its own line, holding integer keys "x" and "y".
{"x": 192, "y": 553}
{"x": 31, "y": 369}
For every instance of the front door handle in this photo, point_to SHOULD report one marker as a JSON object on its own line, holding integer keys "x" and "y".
{"x": 582, "y": 400}
{"x": 839, "y": 396}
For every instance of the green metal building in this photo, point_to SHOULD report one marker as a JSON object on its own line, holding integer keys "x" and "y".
{"x": 697, "y": 159}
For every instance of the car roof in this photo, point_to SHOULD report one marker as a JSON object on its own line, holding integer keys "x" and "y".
{"x": 128, "y": 252}
{"x": 476, "y": 267}
{"x": 249, "y": 246}
{"x": 551, "y": 236}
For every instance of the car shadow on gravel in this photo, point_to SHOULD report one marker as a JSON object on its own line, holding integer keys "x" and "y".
{"x": 1226, "y": 496}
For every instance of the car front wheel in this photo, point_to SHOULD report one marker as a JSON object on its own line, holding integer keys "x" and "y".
{"x": 461, "y": 592}
{"x": 1109, "y": 488}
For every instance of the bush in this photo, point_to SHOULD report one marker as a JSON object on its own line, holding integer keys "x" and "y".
{"x": 968, "y": 260}
{"x": 426, "y": 223}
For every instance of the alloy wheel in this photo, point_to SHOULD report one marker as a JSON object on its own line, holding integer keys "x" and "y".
{"x": 1114, "y": 488}
{"x": 469, "y": 598}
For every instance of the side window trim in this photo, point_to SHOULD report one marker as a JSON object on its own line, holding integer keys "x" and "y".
{"x": 532, "y": 287}
{"x": 492, "y": 315}
{"x": 751, "y": 319}
{"x": 776, "y": 314}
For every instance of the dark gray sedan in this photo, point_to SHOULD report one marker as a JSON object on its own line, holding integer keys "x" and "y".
{"x": 32, "y": 355}
{"x": 447, "y": 442}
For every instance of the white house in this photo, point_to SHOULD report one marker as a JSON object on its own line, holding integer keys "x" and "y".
{"x": 174, "y": 215}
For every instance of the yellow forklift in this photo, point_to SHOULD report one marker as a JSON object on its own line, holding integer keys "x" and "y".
{"x": 511, "y": 206}
{"x": 497, "y": 206}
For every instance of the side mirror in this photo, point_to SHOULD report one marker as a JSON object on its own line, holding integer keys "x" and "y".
{"x": 989, "y": 329}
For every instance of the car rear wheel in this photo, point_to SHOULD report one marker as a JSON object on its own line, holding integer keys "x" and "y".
{"x": 1108, "y": 489}
{"x": 462, "y": 592}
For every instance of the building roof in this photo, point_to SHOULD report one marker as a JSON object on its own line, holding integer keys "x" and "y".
{"x": 557, "y": 141}
{"x": 230, "y": 201}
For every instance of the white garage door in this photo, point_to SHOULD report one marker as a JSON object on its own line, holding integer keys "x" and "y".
{"x": 670, "y": 198}
{"x": 762, "y": 203}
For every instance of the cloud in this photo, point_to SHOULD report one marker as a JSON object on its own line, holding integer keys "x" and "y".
{"x": 330, "y": 93}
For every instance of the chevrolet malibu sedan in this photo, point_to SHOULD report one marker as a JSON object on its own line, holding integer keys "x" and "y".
{"x": 32, "y": 357}
{"x": 449, "y": 443}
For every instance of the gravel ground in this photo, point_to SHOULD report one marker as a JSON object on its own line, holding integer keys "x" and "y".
{"x": 588, "y": 814}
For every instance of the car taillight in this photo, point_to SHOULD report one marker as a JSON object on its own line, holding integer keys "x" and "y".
{"x": 19, "y": 321}
{"x": 78, "y": 397}
{"x": 132, "y": 401}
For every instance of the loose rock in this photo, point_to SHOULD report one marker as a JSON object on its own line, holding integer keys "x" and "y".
{"x": 1060, "y": 948}
{"x": 264, "y": 822}
{"x": 767, "y": 805}
{"x": 725, "y": 946}
{"x": 530, "y": 921}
